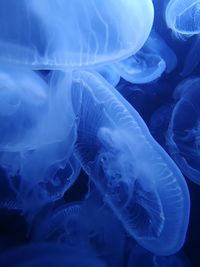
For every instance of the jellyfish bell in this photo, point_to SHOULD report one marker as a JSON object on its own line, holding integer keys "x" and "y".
{"x": 71, "y": 34}
{"x": 183, "y": 17}
{"x": 138, "y": 180}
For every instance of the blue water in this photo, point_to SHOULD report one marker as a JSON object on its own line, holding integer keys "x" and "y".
{"x": 99, "y": 133}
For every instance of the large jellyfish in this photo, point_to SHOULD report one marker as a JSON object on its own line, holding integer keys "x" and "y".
{"x": 138, "y": 180}
{"x": 55, "y": 34}
{"x": 183, "y": 133}
{"x": 183, "y": 16}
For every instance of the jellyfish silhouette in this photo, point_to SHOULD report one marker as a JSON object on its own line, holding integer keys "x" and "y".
{"x": 52, "y": 255}
{"x": 183, "y": 131}
{"x": 138, "y": 180}
{"x": 60, "y": 34}
{"x": 183, "y": 17}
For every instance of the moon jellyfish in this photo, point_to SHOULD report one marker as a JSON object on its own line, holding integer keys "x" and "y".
{"x": 149, "y": 63}
{"x": 143, "y": 67}
{"x": 37, "y": 125}
{"x": 63, "y": 226}
{"x": 59, "y": 34}
{"x": 51, "y": 255}
{"x": 184, "y": 128}
{"x": 138, "y": 180}
{"x": 183, "y": 16}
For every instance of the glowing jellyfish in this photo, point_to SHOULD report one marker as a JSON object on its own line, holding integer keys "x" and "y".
{"x": 143, "y": 67}
{"x": 63, "y": 226}
{"x": 138, "y": 180}
{"x": 183, "y": 16}
{"x": 37, "y": 125}
{"x": 52, "y": 255}
{"x": 59, "y": 34}
{"x": 184, "y": 128}
{"x": 149, "y": 63}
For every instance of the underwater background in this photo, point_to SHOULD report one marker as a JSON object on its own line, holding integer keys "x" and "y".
{"x": 99, "y": 133}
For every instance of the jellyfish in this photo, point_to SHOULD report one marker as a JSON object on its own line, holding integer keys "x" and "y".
{"x": 38, "y": 131}
{"x": 149, "y": 63}
{"x": 71, "y": 34}
{"x": 63, "y": 225}
{"x": 138, "y": 180}
{"x": 143, "y": 67}
{"x": 183, "y": 17}
{"x": 52, "y": 255}
{"x": 183, "y": 130}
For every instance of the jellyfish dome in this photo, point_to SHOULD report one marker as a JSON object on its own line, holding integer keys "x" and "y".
{"x": 59, "y": 34}
{"x": 183, "y": 16}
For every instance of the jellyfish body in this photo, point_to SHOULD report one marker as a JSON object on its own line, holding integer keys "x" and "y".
{"x": 143, "y": 67}
{"x": 137, "y": 178}
{"x": 63, "y": 226}
{"x": 183, "y": 132}
{"x": 149, "y": 63}
{"x": 37, "y": 125}
{"x": 183, "y": 16}
{"x": 59, "y": 34}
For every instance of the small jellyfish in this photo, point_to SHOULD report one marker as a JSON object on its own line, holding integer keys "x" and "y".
{"x": 183, "y": 17}
{"x": 143, "y": 67}
{"x": 149, "y": 63}
{"x": 183, "y": 133}
{"x": 136, "y": 177}
{"x": 70, "y": 34}
{"x": 63, "y": 225}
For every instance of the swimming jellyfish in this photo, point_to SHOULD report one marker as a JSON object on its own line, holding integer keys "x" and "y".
{"x": 183, "y": 17}
{"x": 37, "y": 125}
{"x": 137, "y": 179}
{"x": 52, "y": 34}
